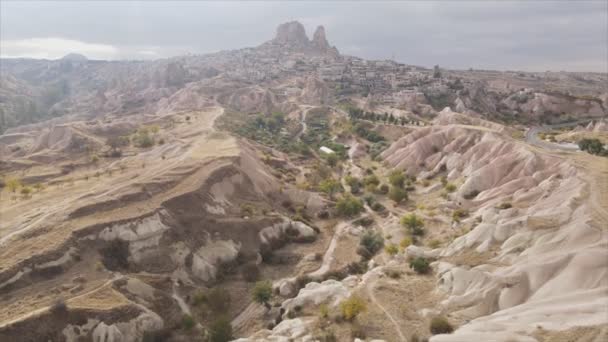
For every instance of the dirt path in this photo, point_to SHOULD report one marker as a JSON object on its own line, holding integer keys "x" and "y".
{"x": 372, "y": 296}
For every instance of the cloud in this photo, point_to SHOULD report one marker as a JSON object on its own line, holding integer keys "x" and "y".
{"x": 53, "y": 48}
{"x": 569, "y": 35}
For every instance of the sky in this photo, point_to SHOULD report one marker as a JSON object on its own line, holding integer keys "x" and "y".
{"x": 533, "y": 35}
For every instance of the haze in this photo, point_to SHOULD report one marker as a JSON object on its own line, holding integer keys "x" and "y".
{"x": 533, "y": 36}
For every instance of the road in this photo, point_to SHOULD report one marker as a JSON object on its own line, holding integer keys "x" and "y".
{"x": 533, "y": 139}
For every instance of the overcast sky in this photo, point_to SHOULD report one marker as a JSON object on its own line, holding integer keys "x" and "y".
{"x": 532, "y": 35}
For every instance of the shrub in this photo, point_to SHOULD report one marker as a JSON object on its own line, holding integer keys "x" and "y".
{"x": 13, "y": 184}
{"x": 323, "y": 311}
{"x": 326, "y": 336}
{"x": 371, "y": 179}
{"x": 420, "y": 265}
{"x": 352, "y": 307}
{"x": 220, "y": 330}
{"x": 330, "y": 187}
{"x": 405, "y": 242}
{"x": 371, "y": 243}
{"x": 378, "y": 207}
{"x": 199, "y": 298}
{"x": 391, "y": 249}
{"x": 440, "y": 325}
{"x": 593, "y": 146}
{"x": 434, "y": 243}
{"x": 382, "y": 189}
{"x": 115, "y": 255}
{"x": 349, "y": 206}
{"x": 396, "y": 178}
{"x": 397, "y": 195}
{"x": 58, "y": 308}
{"x": 357, "y": 267}
{"x": 188, "y": 322}
{"x": 414, "y": 224}
{"x": 262, "y": 292}
{"x": 369, "y": 199}
{"x": 459, "y": 214}
{"x": 364, "y": 221}
{"x": 26, "y": 191}
{"x": 449, "y": 187}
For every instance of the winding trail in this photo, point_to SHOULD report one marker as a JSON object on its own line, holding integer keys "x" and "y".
{"x": 370, "y": 293}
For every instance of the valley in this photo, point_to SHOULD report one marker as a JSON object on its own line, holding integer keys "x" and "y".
{"x": 290, "y": 193}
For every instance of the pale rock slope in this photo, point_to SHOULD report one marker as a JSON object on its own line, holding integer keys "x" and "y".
{"x": 547, "y": 255}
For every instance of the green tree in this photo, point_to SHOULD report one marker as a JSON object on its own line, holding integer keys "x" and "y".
{"x": 593, "y": 146}
{"x": 220, "y": 330}
{"x": 420, "y": 265}
{"x": 397, "y": 195}
{"x": 413, "y": 223}
{"x": 396, "y": 178}
{"x": 349, "y": 206}
{"x": 329, "y": 186}
{"x": 262, "y": 292}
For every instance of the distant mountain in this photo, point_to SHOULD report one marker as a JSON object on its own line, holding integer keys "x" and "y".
{"x": 74, "y": 57}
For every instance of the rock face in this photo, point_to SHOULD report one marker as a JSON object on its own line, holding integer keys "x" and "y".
{"x": 292, "y": 36}
{"x": 291, "y": 33}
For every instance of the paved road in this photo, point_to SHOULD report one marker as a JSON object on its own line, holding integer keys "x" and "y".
{"x": 533, "y": 139}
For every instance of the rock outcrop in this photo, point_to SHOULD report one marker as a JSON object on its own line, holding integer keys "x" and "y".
{"x": 292, "y": 36}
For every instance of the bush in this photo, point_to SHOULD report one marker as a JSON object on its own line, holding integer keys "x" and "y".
{"x": 397, "y": 195}
{"x": 405, "y": 242}
{"x": 115, "y": 255}
{"x": 369, "y": 199}
{"x": 26, "y": 191}
{"x": 323, "y": 311}
{"x": 188, "y": 322}
{"x": 593, "y": 146}
{"x": 440, "y": 325}
{"x": 58, "y": 308}
{"x": 383, "y": 189}
{"x": 396, "y": 178}
{"x": 326, "y": 336}
{"x": 199, "y": 298}
{"x": 459, "y": 214}
{"x": 330, "y": 187}
{"x": 371, "y": 243}
{"x": 357, "y": 267}
{"x": 352, "y": 307}
{"x": 391, "y": 249}
{"x": 378, "y": 207}
{"x": 372, "y": 179}
{"x": 420, "y": 265}
{"x": 262, "y": 292}
{"x": 434, "y": 243}
{"x": 13, "y": 184}
{"x": 220, "y": 330}
{"x": 414, "y": 224}
{"x": 349, "y": 206}
{"x": 449, "y": 187}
